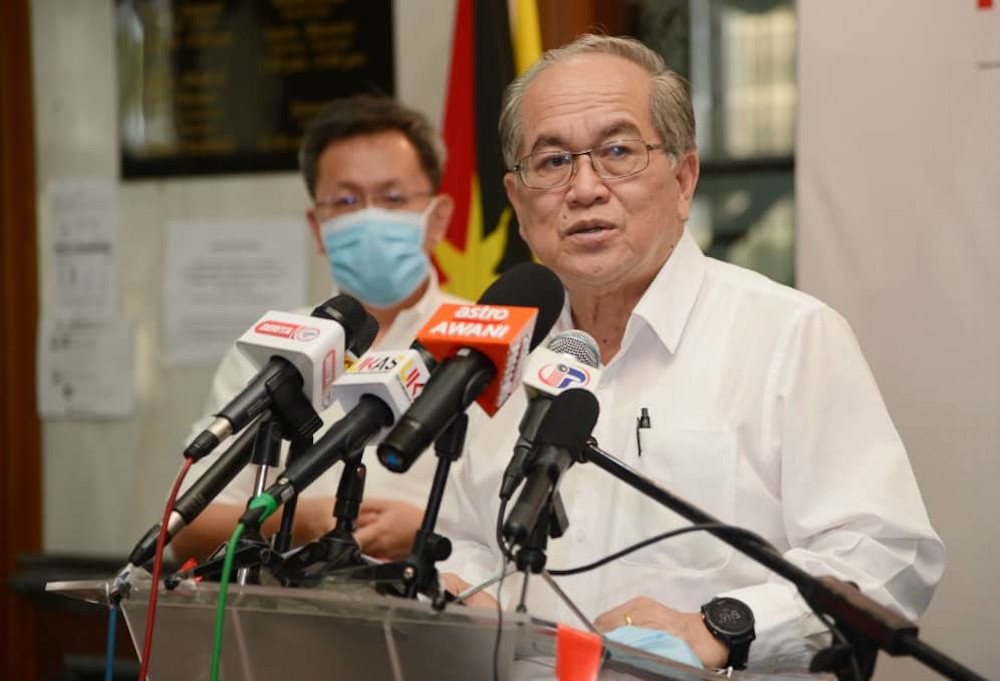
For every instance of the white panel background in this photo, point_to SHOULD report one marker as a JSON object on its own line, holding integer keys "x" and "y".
{"x": 105, "y": 482}
{"x": 898, "y": 195}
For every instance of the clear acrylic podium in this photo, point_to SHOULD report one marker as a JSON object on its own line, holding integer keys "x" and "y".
{"x": 346, "y": 631}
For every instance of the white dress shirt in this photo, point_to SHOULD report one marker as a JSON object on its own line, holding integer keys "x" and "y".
{"x": 235, "y": 371}
{"x": 762, "y": 413}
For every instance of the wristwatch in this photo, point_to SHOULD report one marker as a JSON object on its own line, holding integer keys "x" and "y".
{"x": 731, "y": 621}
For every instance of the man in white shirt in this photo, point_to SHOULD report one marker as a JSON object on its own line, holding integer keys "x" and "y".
{"x": 372, "y": 168}
{"x": 761, "y": 409}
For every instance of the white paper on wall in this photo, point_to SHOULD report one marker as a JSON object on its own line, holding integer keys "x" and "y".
{"x": 81, "y": 248}
{"x": 221, "y": 274}
{"x": 85, "y": 367}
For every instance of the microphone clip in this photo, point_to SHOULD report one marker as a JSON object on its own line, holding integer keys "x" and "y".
{"x": 552, "y": 522}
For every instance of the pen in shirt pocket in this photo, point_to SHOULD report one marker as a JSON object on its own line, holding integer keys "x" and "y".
{"x": 641, "y": 423}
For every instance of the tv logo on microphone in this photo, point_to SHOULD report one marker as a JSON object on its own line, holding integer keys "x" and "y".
{"x": 563, "y": 376}
{"x": 502, "y": 333}
{"x": 285, "y": 330}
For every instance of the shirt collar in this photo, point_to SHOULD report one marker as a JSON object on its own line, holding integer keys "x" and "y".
{"x": 667, "y": 303}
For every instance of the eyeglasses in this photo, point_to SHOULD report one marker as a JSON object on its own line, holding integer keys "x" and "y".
{"x": 611, "y": 161}
{"x": 391, "y": 200}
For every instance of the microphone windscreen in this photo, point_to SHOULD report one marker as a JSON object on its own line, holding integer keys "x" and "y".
{"x": 569, "y": 420}
{"x": 579, "y": 345}
{"x": 366, "y": 336}
{"x": 360, "y": 327}
{"x": 529, "y": 284}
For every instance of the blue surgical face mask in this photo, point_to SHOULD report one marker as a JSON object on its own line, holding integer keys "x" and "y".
{"x": 377, "y": 255}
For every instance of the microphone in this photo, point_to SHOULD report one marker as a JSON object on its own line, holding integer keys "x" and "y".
{"x": 561, "y": 439}
{"x": 374, "y": 392}
{"x": 481, "y": 348}
{"x": 360, "y": 327}
{"x": 570, "y": 360}
{"x": 299, "y": 358}
{"x": 198, "y": 496}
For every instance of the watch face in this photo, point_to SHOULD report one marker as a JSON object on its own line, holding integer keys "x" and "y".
{"x": 730, "y": 616}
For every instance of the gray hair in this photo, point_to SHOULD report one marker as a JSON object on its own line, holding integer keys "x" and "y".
{"x": 669, "y": 99}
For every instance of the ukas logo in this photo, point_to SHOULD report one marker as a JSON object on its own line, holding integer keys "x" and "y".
{"x": 562, "y": 376}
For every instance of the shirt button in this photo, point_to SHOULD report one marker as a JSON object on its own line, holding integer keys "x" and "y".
{"x": 580, "y": 535}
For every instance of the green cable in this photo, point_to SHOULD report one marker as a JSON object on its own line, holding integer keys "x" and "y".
{"x": 264, "y": 501}
{"x": 269, "y": 504}
{"x": 220, "y": 613}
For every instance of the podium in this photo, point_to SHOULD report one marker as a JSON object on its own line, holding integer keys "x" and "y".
{"x": 346, "y": 631}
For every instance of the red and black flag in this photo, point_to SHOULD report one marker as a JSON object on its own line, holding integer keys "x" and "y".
{"x": 482, "y": 240}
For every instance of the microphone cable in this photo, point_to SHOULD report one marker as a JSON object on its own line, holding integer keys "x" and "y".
{"x": 507, "y": 556}
{"x": 259, "y": 508}
{"x": 220, "y": 612}
{"x": 161, "y": 543}
{"x": 109, "y": 653}
{"x": 496, "y": 642}
{"x": 715, "y": 528}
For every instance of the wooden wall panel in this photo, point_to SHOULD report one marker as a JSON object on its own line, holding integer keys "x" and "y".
{"x": 20, "y": 451}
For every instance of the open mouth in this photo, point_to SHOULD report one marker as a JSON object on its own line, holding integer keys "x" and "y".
{"x": 589, "y": 227}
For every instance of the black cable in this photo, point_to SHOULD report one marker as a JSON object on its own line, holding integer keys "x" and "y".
{"x": 715, "y": 527}
{"x": 730, "y": 529}
{"x": 496, "y": 643}
{"x": 508, "y": 555}
{"x": 839, "y": 636}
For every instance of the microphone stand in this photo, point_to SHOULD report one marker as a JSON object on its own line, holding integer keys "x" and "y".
{"x": 253, "y": 550}
{"x": 283, "y": 537}
{"x": 416, "y": 572}
{"x": 531, "y": 558}
{"x": 337, "y": 548}
{"x": 866, "y": 624}
{"x": 266, "y": 454}
{"x": 291, "y": 414}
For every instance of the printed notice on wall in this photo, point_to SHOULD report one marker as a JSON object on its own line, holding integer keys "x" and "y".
{"x": 221, "y": 275}
{"x": 81, "y": 266}
{"x": 85, "y": 367}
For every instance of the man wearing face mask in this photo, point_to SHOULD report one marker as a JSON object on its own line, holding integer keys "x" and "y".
{"x": 372, "y": 168}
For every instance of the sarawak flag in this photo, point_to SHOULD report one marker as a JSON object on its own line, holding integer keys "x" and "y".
{"x": 482, "y": 240}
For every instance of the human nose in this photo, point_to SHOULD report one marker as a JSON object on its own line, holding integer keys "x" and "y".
{"x": 586, "y": 186}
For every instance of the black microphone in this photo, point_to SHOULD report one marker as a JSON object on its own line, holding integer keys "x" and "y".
{"x": 299, "y": 358}
{"x": 460, "y": 379}
{"x": 198, "y": 496}
{"x": 561, "y": 439}
{"x": 570, "y": 360}
{"x": 360, "y": 327}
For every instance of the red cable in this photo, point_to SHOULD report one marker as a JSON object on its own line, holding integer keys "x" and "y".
{"x": 161, "y": 542}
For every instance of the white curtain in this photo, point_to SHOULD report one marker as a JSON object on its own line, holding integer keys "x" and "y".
{"x": 898, "y": 199}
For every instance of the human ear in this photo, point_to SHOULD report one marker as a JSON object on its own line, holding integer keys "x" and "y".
{"x": 688, "y": 171}
{"x": 438, "y": 221}
{"x": 315, "y": 231}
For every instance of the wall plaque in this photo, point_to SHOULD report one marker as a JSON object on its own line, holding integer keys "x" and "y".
{"x": 228, "y": 86}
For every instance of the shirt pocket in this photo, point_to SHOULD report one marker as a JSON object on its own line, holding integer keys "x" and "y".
{"x": 699, "y": 466}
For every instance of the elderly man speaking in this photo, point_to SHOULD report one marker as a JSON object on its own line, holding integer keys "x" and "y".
{"x": 761, "y": 409}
